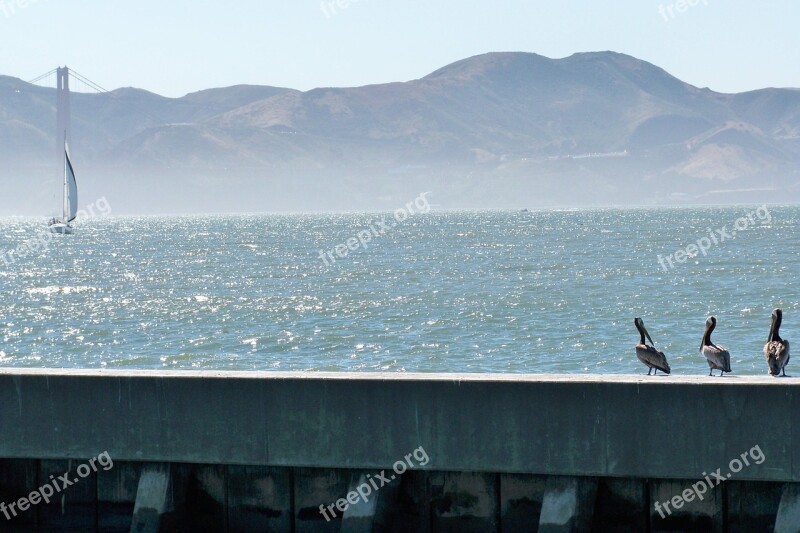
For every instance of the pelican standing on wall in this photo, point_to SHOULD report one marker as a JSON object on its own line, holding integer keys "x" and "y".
{"x": 718, "y": 357}
{"x": 776, "y": 350}
{"x": 648, "y": 355}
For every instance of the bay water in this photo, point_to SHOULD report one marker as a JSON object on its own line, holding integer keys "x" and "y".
{"x": 549, "y": 291}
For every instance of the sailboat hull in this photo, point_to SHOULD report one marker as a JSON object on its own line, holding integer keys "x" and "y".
{"x": 60, "y": 227}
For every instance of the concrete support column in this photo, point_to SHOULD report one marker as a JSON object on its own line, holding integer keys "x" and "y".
{"x": 568, "y": 504}
{"x": 153, "y": 499}
{"x": 374, "y": 514}
{"x": 788, "y": 519}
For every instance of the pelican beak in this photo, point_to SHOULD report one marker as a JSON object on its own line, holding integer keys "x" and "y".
{"x": 772, "y": 327}
{"x": 709, "y": 324}
{"x": 646, "y": 334}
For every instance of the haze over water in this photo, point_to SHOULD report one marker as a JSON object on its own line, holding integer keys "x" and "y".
{"x": 502, "y": 291}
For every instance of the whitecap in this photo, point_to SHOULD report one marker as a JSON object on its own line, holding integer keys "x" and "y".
{"x": 55, "y": 289}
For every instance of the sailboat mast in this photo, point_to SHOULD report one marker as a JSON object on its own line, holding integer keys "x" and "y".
{"x": 66, "y": 192}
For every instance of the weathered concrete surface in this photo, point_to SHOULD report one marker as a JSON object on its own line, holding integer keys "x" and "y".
{"x": 73, "y": 508}
{"x": 608, "y": 426}
{"x": 152, "y": 499}
{"x": 753, "y": 505}
{"x": 568, "y": 504}
{"x": 206, "y": 494}
{"x": 464, "y": 502}
{"x": 788, "y": 519}
{"x": 375, "y": 514}
{"x": 18, "y": 478}
{"x": 620, "y": 506}
{"x": 521, "y": 498}
{"x": 116, "y": 496}
{"x": 413, "y": 503}
{"x": 313, "y": 488}
{"x": 360, "y": 515}
{"x": 259, "y": 498}
{"x": 678, "y": 510}
{"x": 237, "y": 498}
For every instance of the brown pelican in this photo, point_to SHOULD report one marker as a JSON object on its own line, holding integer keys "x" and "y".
{"x": 718, "y": 357}
{"x": 648, "y": 355}
{"x": 776, "y": 350}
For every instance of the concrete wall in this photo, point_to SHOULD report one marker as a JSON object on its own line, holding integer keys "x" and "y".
{"x": 245, "y": 450}
{"x": 619, "y": 426}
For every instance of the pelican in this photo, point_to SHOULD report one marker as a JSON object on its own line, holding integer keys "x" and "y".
{"x": 718, "y": 357}
{"x": 776, "y": 350}
{"x": 648, "y": 355}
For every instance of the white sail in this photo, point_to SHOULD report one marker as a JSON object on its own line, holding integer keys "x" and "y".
{"x": 71, "y": 189}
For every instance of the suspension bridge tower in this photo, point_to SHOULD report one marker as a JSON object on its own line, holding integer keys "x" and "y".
{"x": 63, "y": 110}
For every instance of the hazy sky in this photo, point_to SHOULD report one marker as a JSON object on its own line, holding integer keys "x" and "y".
{"x": 174, "y": 47}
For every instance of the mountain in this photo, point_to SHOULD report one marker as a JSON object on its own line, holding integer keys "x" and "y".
{"x": 495, "y": 130}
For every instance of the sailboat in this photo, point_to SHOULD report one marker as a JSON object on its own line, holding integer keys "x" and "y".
{"x": 70, "y": 197}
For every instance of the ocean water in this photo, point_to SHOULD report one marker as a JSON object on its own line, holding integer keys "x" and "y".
{"x": 495, "y": 291}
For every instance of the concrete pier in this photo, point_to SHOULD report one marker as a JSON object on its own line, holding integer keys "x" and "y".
{"x": 243, "y": 451}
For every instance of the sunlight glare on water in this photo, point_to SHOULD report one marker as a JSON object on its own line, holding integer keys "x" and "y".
{"x": 502, "y": 291}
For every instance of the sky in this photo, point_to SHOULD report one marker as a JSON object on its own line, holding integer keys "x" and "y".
{"x": 177, "y": 47}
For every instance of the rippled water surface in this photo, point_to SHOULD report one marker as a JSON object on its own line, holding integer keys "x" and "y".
{"x": 540, "y": 291}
